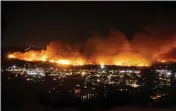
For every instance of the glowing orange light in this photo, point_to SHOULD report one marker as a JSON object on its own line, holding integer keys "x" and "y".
{"x": 78, "y": 63}
{"x": 121, "y": 59}
{"x": 77, "y": 91}
{"x": 101, "y": 63}
{"x": 163, "y": 61}
{"x": 51, "y": 61}
{"x": 118, "y": 63}
{"x": 156, "y": 97}
{"x": 11, "y": 56}
{"x": 64, "y": 62}
{"x": 43, "y": 58}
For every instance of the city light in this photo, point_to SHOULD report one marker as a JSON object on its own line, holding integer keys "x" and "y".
{"x": 14, "y": 66}
{"x": 93, "y": 76}
{"x": 102, "y": 65}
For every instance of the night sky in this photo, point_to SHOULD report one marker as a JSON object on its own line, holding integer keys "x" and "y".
{"x": 37, "y": 23}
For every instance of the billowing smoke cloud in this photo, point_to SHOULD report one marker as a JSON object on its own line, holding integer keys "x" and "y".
{"x": 166, "y": 55}
{"x": 151, "y": 45}
{"x": 115, "y": 49}
{"x": 99, "y": 49}
{"x": 56, "y": 51}
{"x": 153, "y": 41}
{"x": 170, "y": 55}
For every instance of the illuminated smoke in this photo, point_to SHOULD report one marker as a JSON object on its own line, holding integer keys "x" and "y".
{"x": 145, "y": 47}
{"x": 114, "y": 50}
{"x": 154, "y": 42}
{"x": 167, "y": 55}
{"x": 56, "y": 51}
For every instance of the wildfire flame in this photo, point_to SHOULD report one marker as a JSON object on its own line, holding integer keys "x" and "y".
{"x": 11, "y": 56}
{"x": 63, "y": 62}
{"x": 120, "y": 60}
{"x": 115, "y": 50}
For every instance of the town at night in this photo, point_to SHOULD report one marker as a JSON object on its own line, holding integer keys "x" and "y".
{"x": 92, "y": 56}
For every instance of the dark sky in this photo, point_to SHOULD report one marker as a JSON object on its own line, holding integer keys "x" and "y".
{"x": 38, "y": 23}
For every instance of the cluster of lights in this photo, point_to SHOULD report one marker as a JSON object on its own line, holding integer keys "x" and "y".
{"x": 115, "y": 76}
{"x": 129, "y": 71}
{"x": 166, "y": 72}
{"x": 37, "y": 71}
{"x": 24, "y": 70}
{"x": 95, "y": 76}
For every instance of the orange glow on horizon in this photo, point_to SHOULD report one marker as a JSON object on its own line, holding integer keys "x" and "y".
{"x": 64, "y": 62}
{"x": 158, "y": 45}
{"x": 64, "y": 54}
{"x": 120, "y": 61}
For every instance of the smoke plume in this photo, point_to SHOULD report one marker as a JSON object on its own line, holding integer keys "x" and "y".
{"x": 153, "y": 44}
